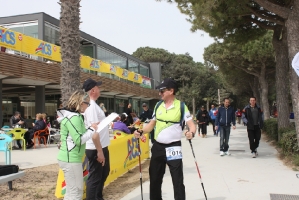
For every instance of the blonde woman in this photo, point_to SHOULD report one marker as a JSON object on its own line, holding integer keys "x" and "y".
{"x": 73, "y": 138}
{"x": 39, "y": 125}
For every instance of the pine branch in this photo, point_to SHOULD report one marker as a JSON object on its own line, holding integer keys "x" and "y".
{"x": 274, "y": 8}
{"x": 266, "y": 16}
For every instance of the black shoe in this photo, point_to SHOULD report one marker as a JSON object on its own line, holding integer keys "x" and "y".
{"x": 29, "y": 146}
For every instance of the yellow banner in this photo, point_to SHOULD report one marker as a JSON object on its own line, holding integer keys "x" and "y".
{"x": 40, "y": 48}
{"x": 11, "y": 39}
{"x": 29, "y": 45}
{"x": 123, "y": 157}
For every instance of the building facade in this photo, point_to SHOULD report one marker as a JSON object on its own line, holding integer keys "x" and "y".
{"x": 25, "y": 90}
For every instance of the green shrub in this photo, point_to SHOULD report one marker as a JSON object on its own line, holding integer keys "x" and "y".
{"x": 289, "y": 143}
{"x": 296, "y": 159}
{"x": 271, "y": 128}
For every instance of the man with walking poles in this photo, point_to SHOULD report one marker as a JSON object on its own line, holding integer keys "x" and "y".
{"x": 225, "y": 117}
{"x": 253, "y": 118}
{"x": 168, "y": 118}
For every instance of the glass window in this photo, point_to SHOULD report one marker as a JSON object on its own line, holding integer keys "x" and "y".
{"x": 144, "y": 70}
{"x": 111, "y": 57}
{"x": 133, "y": 66}
{"x": 51, "y": 34}
{"x": 87, "y": 50}
{"x": 120, "y": 105}
{"x": 27, "y": 28}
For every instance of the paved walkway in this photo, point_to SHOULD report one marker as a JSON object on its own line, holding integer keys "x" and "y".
{"x": 30, "y": 158}
{"x": 234, "y": 177}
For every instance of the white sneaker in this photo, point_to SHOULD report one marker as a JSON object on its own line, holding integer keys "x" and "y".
{"x": 227, "y": 153}
{"x": 253, "y": 155}
{"x": 256, "y": 154}
{"x": 221, "y": 153}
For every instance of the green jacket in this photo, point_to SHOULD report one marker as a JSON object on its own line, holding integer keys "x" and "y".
{"x": 73, "y": 136}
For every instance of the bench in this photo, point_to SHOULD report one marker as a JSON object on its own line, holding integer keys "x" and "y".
{"x": 9, "y": 178}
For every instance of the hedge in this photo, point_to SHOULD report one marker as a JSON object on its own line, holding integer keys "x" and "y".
{"x": 271, "y": 128}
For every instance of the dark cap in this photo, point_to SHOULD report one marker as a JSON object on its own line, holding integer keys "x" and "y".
{"x": 89, "y": 84}
{"x": 144, "y": 104}
{"x": 168, "y": 83}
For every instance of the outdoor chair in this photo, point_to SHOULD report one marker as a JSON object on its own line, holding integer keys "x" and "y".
{"x": 6, "y": 131}
{"x": 41, "y": 134}
{"x": 4, "y": 146}
{"x": 55, "y": 135}
{"x": 18, "y": 134}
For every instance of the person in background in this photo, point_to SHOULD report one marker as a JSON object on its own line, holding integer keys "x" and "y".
{"x": 213, "y": 117}
{"x": 74, "y": 135}
{"x": 202, "y": 118}
{"x": 253, "y": 118}
{"x": 224, "y": 119}
{"x": 16, "y": 121}
{"x": 129, "y": 112}
{"x": 39, "y": 125}
{"x": 239, "y": 115}
{"x": 120, "y": 125}
{"x": 102, "y": 106}
{"x": 147, "y": 114}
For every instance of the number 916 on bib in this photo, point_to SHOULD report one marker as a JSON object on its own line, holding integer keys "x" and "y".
{"x": 174, "y": 153}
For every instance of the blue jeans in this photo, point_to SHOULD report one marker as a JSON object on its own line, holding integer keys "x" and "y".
{"x": 224, "y": 138}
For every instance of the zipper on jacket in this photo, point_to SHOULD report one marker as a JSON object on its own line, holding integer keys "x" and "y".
{"x": 226, "y": 117}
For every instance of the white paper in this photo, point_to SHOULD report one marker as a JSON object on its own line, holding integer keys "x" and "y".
{"x": 106, "y": 121}
{"x": 295, "y": 63}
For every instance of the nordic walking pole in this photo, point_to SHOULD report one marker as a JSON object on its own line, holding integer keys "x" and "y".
{"x": 138, "y": 143}
{"x": 197, "y": 169}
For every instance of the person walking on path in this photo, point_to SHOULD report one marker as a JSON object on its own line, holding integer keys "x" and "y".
{"x": 253, "y": 118}
{"x": 225, "y": 117}
{"x": 74, "y": 135}
{"x": 96, "y": 148}
{"x": 167, "y": 148}
{"x": 239, "y": 115}
{"x": 202, "y": 119}
{"x": 213, "y": 117}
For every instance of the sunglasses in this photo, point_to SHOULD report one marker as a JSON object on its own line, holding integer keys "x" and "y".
{"x": 163, "y": 90}
{"x": 88, "y": 104}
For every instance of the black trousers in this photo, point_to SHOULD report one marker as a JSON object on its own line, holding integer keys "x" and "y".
{"x": 213, "y": 123}
{"x": 203, "y": 128}
{"x": 28, "y": 136}
{"x": 157, "y": 170}
{"x": 254, "y": 138}
{"x": 97, "y": 174}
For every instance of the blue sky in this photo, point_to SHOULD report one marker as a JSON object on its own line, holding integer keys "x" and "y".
{"x": 127, "y": 24}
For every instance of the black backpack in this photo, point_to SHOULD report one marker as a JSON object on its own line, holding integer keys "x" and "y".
{"x": 182, "y": 121}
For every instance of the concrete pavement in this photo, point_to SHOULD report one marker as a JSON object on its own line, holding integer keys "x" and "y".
{"x": 30, "y": 158}
{"x": 234, "y": 177}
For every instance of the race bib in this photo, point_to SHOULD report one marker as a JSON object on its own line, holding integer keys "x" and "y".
{"x": 174, "y": 153}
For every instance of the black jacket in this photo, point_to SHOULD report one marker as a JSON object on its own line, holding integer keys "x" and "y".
{"x": 203, "y": 116}
{"x": 146, "y": 115}
{"x": 248, "y": 120}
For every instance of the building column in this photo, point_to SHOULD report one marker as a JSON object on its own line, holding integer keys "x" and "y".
{"x": 40, "y": 99}
{"x": 1, "y": 99}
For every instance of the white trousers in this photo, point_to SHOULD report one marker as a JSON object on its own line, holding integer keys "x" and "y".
{"x": 73, "y": 175}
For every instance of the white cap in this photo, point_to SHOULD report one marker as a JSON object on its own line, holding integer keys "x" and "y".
{"x": 125, "y": 114}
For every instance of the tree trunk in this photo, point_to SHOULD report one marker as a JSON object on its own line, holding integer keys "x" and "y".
{"x": 264, "y": 93}
{"x": 282, "y": 83}
{"x": 255, "y": 90}
{"x": 292, "y": 25}
{"x": 70, "y": 48}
